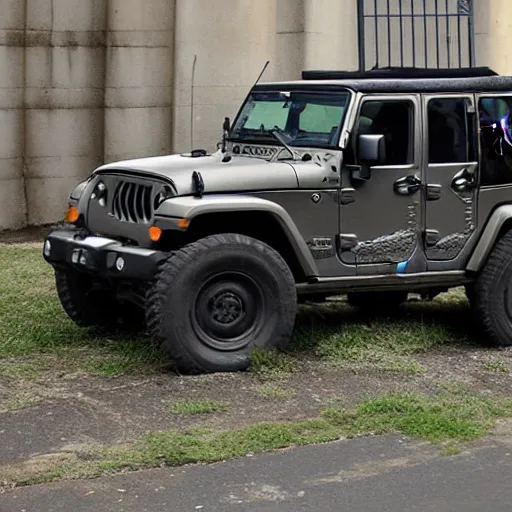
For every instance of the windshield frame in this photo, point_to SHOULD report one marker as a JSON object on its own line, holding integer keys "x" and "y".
{"x": 287, "y": 90}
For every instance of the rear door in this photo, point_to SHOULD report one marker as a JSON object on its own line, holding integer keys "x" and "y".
{"x": 450, "y": 177}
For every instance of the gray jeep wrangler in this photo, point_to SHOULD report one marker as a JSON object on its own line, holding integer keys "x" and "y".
{"x": 373, "y": 185}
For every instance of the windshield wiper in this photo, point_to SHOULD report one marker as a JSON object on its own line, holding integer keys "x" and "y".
{"x": 277, "y": 133}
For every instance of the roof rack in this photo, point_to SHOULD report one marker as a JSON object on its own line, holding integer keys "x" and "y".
{"x": 400, "y": 73}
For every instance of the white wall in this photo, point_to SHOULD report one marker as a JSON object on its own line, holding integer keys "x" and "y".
{"x": 64, "y": 89}
{"x": 232, "y": 40}
{"x": 12, "y": 147}
{"x": 138, "y": 82}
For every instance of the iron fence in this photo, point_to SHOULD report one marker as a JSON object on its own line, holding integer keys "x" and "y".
{"x": 418, "y": 33}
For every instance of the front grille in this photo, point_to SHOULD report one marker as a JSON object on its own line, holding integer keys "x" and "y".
{"x": 133, "y": 202}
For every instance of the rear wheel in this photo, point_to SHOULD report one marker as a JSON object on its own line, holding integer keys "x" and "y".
{"x": 491, "y": 295}
{"x": 216, "y": 300}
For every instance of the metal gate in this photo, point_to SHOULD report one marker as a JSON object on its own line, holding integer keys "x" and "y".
{"x": 418, "y": 33}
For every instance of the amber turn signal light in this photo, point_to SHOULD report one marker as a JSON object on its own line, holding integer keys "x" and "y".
{"x": 183, "y": 223}
{"x": 155, "y": 233}
{"x": 72, "y": 214}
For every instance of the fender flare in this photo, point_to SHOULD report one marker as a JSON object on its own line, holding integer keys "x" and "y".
{"x": 188, "y": 207}
{"x": 489, "y": 237}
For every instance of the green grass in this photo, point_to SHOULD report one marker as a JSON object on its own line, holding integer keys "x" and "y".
{"x": 447, "y": 418}
{"x": 37, "y": 337}
{"x": 497, "y": 367}
{"x": 338, "y": 334}
{"x": 271, "y": 363}
{"x": 442, "y": 419}
{"x": 188, "y": 407}
{"x": 18, "y": 400}
{"x": 274, "y": 392}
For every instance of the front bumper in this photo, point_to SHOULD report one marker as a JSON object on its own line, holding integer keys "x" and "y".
{"x": 102, "y": 257}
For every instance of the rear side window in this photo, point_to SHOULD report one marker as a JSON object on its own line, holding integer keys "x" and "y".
{"x": 450, "y": 136}
{"x": 496, "y": 141}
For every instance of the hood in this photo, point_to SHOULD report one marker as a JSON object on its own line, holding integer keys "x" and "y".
{"x": 239, "y": 174}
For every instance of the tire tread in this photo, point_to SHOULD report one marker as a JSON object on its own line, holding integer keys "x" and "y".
{"x": 171, "y": 268}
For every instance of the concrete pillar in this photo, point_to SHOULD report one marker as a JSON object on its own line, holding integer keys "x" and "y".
{"x": 290, "y": 39}
{"x": 232, "y": 40}
{"x": 65, "y": 59}
{"x": 315, "y": 34}
{"x": 493, "y": 25}
{"x": 12, "y": 200}
{"x": 139, "y": 78}
{"x": 330, "y": 34}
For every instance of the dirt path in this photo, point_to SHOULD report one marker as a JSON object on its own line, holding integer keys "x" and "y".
{"x": 73, "y": 413}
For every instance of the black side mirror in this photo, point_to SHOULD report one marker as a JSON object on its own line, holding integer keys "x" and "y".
{"x": 372, "y": 150}
{"x": 227, "y": 124}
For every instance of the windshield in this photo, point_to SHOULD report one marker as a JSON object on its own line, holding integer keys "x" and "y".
{"x": 304, "y": 119}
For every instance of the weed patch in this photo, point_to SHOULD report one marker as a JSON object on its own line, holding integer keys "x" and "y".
{"x": 198, "y": 407}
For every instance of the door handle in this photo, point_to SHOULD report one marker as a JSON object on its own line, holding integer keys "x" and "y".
{"x": 463, "y": 181}
{"x": 407, "y": 185}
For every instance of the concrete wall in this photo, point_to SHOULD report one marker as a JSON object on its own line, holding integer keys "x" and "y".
{"x": 138, "y": 81}
{"x": 232, "y": 40}
{"x": 12, "y": 146}
{"x": 88, "y": 81}
{"x": 64, "y": 96}
{"x": 493, "y": 26}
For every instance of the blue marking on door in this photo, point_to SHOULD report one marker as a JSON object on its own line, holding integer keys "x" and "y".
{"x": 400, "y": 268}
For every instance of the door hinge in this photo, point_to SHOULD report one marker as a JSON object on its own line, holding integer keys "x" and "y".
{"x": 347, "y": 241}
{"x": 432, "y": 236}
{"x": 348, "y": 195}
{"x": 321, "y": 247}
{"x": 433, "y": 192}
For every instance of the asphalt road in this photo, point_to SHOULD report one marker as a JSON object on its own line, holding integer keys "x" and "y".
{"x": 370, "y": 474}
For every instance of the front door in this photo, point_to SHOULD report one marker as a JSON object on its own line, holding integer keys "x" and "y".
{"x": 450, "y": 177}
{"x": 380, "y": 229}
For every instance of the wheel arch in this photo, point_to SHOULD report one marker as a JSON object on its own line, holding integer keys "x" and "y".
{"x": 252, "y": 216}
{"x": 499, "y": 222}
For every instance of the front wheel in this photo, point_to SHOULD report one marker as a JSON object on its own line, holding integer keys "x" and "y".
{"x": 216, "y": 300}
{"x": 90, "y": 303}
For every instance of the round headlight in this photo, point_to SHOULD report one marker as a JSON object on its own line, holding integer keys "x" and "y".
{"x": 47, "y": 248}
{"x": 120, "y": 264}
{"x": 164, "y": 194}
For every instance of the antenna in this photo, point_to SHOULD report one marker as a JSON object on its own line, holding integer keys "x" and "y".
{"x": 227, "y": 123}
{"x": 192, "y": 103}
{"x": 258, "y": 80}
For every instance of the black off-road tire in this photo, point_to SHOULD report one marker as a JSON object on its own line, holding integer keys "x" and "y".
{"x": 470, "y": 293}
{"x": 491, "y": 296}
{"x": 377, "y": 302}
{"x": 89, "y": 304}
{"x": 216, "y": 300}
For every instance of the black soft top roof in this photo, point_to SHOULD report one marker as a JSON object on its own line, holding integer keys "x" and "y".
{"x": 405, "y": 80}
{"x": 400, "y": 73}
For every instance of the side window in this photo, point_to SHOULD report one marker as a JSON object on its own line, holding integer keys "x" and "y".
{"x": 496, "y": 141}
{"x": 394, "y": 120}
{"x": 450, "y": 136}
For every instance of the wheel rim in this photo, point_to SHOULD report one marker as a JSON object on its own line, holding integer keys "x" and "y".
{"x": 228, "y": 310}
